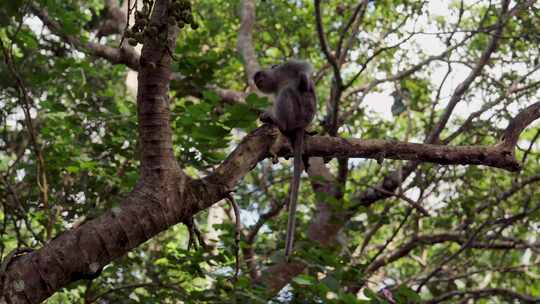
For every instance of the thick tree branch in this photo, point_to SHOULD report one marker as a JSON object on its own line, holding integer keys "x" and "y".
{"x": 226, "y": 95}
{"x": 498, "y": 156}
{"x": 125, "y": 55}
{"x": 379, "y": 149}
{"x": 82, "y": 252}
{"x": 153, "y": 102}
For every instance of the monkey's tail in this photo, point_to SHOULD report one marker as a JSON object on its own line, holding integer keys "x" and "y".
{"x": 297, "y": 141}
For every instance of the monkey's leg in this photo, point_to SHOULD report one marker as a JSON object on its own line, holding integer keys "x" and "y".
{"x": 305, "y": 162}
{"x": 305, "y": 158}
{"x": 276, "y": 146}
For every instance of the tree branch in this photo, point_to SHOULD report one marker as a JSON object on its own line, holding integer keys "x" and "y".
{"x": 153, "y": 111}
{"x": 245, "y": 41}
{"x": 125, "y": 55}
{"x": 518, "y": 124}
{"x": 324, "y": 45}
{"x": 460, "y": 90}
{"x": 379, "y": 149}
{"x": 432, "y": 239}
{"x": 354, "y": 22}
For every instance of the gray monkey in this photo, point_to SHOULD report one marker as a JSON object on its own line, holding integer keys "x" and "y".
{"x": 293, "y": 110}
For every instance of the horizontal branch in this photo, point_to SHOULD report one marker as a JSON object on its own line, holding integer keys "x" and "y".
{"x": 227, "y": 96}
{"x": 256, "y": 146}
{"x": 380, "y": 149}
{"x": 498, "y": 156}
{"x": 124, "y": 55}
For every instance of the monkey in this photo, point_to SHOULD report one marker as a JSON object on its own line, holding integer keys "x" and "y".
{"x": 293, "y": 110}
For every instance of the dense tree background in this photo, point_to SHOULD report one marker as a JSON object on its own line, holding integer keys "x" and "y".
{"x": 387, "y": 225}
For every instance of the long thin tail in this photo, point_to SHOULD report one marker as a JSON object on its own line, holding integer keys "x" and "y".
{"x": 298, "y": 145}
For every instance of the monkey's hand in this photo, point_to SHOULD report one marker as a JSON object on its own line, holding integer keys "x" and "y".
{"x": 266, "y": 117}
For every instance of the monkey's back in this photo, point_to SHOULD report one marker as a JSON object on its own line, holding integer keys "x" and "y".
{"x": 295, "y": 109}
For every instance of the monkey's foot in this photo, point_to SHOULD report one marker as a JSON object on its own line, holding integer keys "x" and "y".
{"x": 274, "y": 158}
{"x": 305, "y": 161}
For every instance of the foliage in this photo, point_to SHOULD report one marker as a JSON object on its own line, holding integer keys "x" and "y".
{"x": 86, "y": 125}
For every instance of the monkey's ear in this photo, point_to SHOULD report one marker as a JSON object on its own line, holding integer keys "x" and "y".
{"x": 305, "y": 84}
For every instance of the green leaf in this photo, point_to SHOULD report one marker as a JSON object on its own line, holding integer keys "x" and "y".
{"x": 8, "y": 9}
{"x": 256, "y": 101}
{"x": 211, "y": 97}
{"x": 304, "y": 280}
{"x": 404, "y": 294}
{"x": 210, "y": 132}
{"x": 331, "y": 283}
{"x": 240, "y": 116}
{"x": 370, "y": 294}
{"x": 73, "y": 169}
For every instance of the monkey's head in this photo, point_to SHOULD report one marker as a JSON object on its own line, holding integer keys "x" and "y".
{"x": 278, "y": 76}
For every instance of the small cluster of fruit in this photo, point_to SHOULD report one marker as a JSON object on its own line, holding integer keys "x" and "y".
{"x": 179, "y": 12}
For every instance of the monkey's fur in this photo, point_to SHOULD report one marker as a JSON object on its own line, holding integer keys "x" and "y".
{"x": 293, "y": 110}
